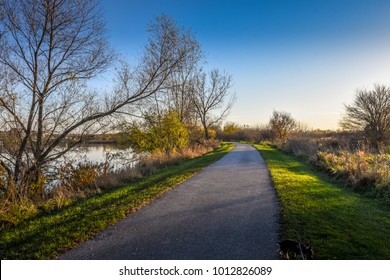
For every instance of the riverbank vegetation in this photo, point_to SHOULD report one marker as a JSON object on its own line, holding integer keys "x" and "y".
{"x": 87, "y": 179}
{"x": 163, "y": 106}
{"x": 51, "y": 233}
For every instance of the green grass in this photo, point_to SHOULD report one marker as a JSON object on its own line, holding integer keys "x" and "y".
{"x": 338, "y": 223}
{"x": 49, "y": 235}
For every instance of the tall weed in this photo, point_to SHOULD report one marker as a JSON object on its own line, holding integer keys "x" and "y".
{"x": 16, "y": 211}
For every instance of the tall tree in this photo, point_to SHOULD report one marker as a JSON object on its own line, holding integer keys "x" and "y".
{"x": 369, "y": 112}
{"x": 49, "y": 50}
{"x": 212, "y": 98}
{"x": 176, "y": 95}
{"x": 172, "y": 102}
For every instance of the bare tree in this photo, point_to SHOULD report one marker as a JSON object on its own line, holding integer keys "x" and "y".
{"x": 281, "y": 124}
{"x": 172, "y": 101}
{"x": 176, "y": 95}
{"x": 212, "y": 98}
{"x": 369, "y": 112}
{"x": 49, "y": 50}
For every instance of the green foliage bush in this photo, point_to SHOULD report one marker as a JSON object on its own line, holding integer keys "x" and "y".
{"x": 159, "y": 133}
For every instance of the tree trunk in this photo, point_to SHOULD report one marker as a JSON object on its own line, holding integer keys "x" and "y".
{"x": 206, "y": 132}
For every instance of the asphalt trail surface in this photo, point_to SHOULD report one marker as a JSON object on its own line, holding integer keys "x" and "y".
{"x": 229, "y": 210}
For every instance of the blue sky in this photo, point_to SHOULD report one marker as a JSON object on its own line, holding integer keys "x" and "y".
{"x": 304, "y": 57}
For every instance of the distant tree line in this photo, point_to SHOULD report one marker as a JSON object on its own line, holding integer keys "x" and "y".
{"x": 367, "y": 118}
{"x": 280, "y": 126}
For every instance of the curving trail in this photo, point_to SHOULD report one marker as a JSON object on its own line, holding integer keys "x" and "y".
{"x": 227, "y": 211}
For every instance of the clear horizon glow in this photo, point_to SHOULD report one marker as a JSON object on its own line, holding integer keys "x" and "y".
{"x": 303, "y": 57}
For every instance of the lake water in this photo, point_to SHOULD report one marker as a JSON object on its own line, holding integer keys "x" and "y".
{"x": 100, "y": 153}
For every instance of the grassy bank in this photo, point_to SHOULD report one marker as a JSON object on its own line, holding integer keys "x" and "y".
{"x": 337, "y": 222}
{"x": 50, "y": 234}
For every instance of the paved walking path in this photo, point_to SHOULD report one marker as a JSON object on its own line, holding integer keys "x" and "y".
{"x": 227, "y": 211}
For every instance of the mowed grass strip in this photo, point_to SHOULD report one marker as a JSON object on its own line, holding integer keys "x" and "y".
{"x": 49, "y": 235}
{"x": 338, "y": 223}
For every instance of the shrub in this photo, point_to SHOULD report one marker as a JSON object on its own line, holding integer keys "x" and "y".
{"x": 14, "y": 212}
{"x": 78, "y": 178}
{"x": 362, "y": 171}
{"x": 159, "y": 133}
{"x": 302, "y": 147}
